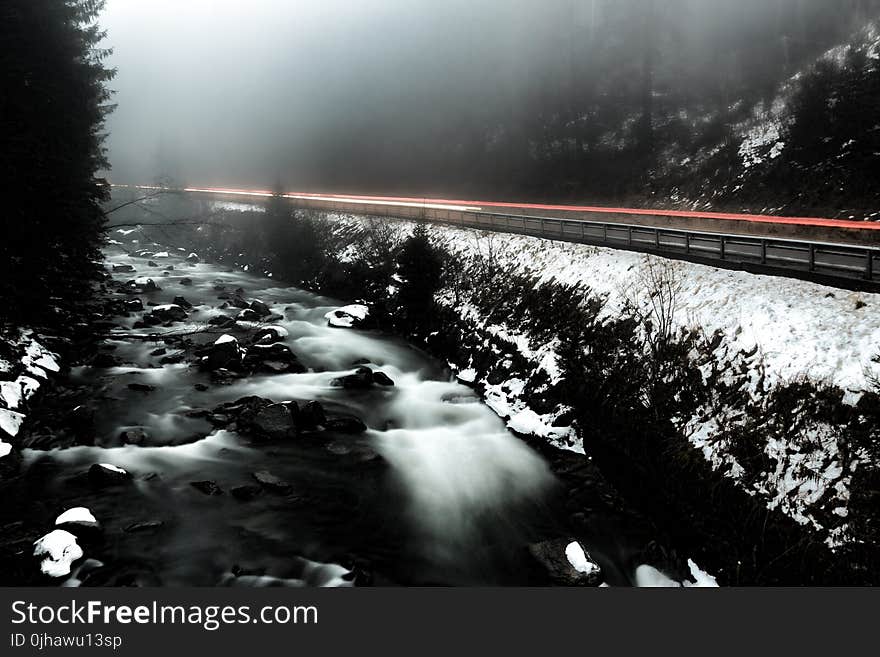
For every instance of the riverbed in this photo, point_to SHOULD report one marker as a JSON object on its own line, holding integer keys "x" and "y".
{"x": 435, "y": 491}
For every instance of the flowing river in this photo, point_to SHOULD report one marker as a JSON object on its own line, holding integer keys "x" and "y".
{"x": 436, "y": 491}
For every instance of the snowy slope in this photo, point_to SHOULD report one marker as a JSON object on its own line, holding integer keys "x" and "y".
{"x": 796, "y": 329}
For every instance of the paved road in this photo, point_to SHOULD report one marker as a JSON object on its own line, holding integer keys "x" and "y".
{"x": 762, "y": 243}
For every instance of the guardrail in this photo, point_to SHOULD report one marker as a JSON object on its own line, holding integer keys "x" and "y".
{"x": 820, "y": 259}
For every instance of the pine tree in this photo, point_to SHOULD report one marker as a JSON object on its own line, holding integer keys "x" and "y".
{"x": 52, "y": 113}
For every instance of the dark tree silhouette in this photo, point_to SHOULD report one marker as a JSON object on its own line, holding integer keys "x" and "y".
{"x": 52, "y": 112}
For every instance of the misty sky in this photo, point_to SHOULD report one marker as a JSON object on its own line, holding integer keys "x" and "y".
{"x": 324, "y": 93}
{"x": 226, "y": 91}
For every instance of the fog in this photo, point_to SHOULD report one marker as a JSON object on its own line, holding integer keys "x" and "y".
{"x": 415, "y": 95}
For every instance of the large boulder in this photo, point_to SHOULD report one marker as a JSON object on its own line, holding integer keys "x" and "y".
{"x": 353, "y": 316}
{"x": 223, "y": 353}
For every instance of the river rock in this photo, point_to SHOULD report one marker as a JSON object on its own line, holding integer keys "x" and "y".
{"x": 347, "y": 424}
{"x": 105, "y": 360}
{"x": 246, "y": 493}
{"x": 260, "y": 308}
{"x": 105, "y": 474}
{"x": 276, "y": 358}
{"x": 224, "y": 377}
{"x": 170, "y": 312}
{"x": 173, "y": 358}
{"x": 209, "y": 488}
{"x": 276, "y": 421}
{"x": 141, "y": 285}
{"x": 222, "y": 321}
{"x": 141, "y": 387}
{"x": 248, "y": 315}
{"x": 134, "y": 436}
{"x": 81, "y": 419}
{"x": 122, "y": 268}
{"x": 186, "y": 282}
{"x": 271, "y": 482}
{"x": 56, "y": 551}
{"x": 382, "y": 379}
{"x": 566, "y": 563}
{"x": 152, "y": 264}
{"x": 193, "y": 258}
{"x": 362, "y": 378}
{"x": 183, "y": 303}
{"x": 223, "y": 353}
{"x": 270, "y": 334}
{"x": 353, "y": 316}
{"x": 80, "y": 522}
{"x": 134, "y": 305}
{"x": 312, "y": 415}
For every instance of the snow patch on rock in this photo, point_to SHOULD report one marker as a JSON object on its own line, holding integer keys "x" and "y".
{"x": 59, "y": 550}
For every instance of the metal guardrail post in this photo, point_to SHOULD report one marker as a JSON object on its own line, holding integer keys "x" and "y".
{"x": 723, "y": 248}
{"x": 812, "y": 257}
{"x": 869, "y": 265}
{"x": 687, "y": 243}
{"x": 657, "y": 238}
{"x": 763, "y": 252}
{"x": 605, "y": 233}
{"x": 629, "y": 239}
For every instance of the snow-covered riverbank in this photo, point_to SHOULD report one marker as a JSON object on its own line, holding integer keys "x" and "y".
{"x": 25, "y": 364}
{"x": 783, "y": 330}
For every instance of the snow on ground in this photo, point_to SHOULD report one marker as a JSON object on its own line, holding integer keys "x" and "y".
{"x": 800, "y": 328}
{"x": 25, "y": 366}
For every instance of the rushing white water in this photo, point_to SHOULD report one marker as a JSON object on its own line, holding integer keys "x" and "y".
{"x": 457, "y": 473}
